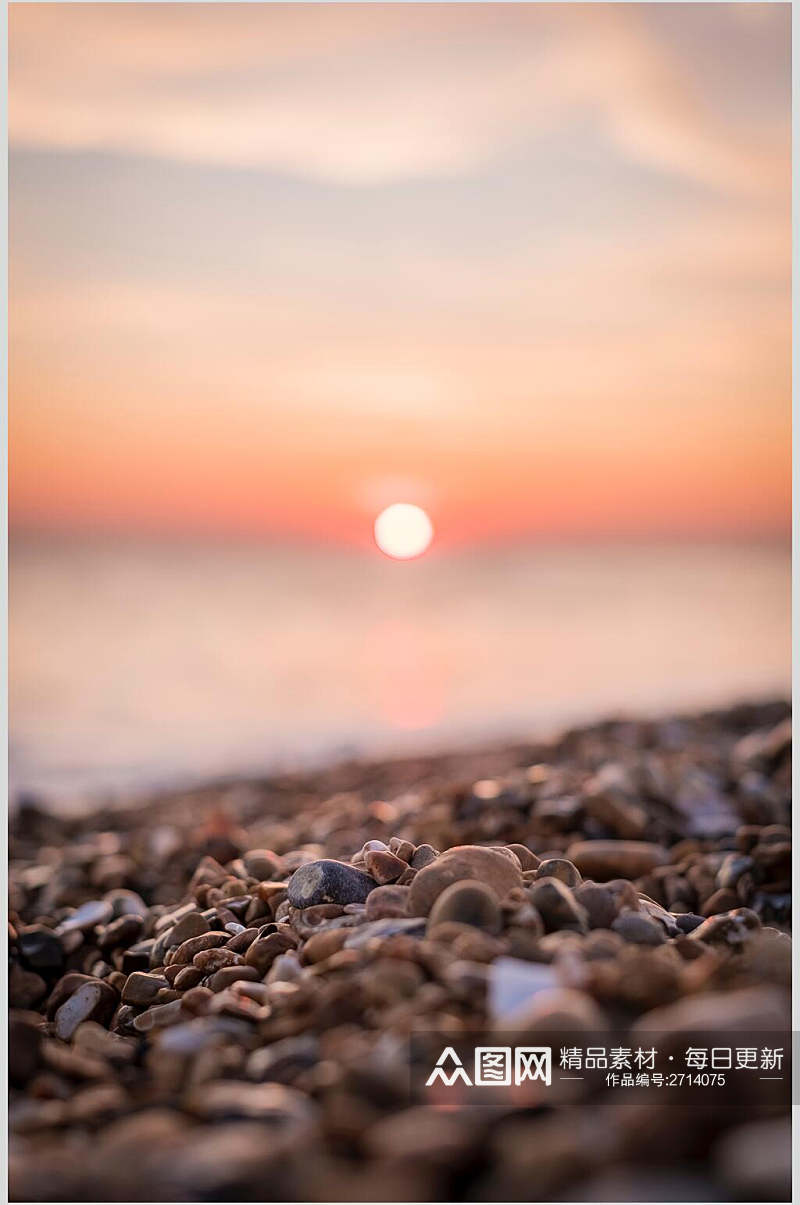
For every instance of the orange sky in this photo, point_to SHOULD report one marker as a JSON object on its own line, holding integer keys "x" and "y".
{"x": 274, "y": 267}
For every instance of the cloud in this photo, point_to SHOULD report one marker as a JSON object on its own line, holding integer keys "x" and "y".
{"x": 364, "y": 95}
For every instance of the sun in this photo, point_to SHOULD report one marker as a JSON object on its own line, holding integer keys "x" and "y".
{"x": 403, "y": 531}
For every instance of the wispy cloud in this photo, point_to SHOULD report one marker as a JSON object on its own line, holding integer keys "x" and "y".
{"x": 367, "y": 94}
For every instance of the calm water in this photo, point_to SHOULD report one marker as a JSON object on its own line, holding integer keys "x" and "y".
{"x": 134, "y": 665}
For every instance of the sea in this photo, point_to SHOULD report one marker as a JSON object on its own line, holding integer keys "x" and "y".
{"x": 137, "y": 665}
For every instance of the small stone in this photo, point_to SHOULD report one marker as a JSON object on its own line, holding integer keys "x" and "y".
{"x": 262, "y": 864}
{"x": 228, "y": 975}
{"x": 90, "y": 914}
{"x": 728, "y": 928}
{"x": 527, "y": 859}
{"x": 401, "y": 849}
{"x": 468, "y": 902}
{"x": 557, "y": 906}
{"x": 160, "y": 1015}
{"x": 600, "y": 904}
{"x": 194, "y": 924}
{"x": 187, "y": 977}
{"x": 423, "y": 856}
{"x": 209, "y": 961}
{"x": 41, "y": 950}
{"x": 322, "y": 945}
{"x": 384, "y": 866}
{"x": 687, "y": 922}
{"x": 141, "y": 988}
{"x": 196, "y": 1000}
{"x": 137, "y": 958}
{"x": 605, "y": 860}
{"x": 328, "y": 882}
{"x": 391, "y": 900}
{"x": 559, "y": 868}
{"x": 93, "y": 1001}
{"x": 185, "y": 952}
{"x": 124, "y": 931}
{"x": 636, "y": 927}
{"x": 263, "y": 952}
{"x": 495, "y": 869}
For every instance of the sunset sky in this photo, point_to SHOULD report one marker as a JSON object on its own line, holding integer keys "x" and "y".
{"x": 275, "y": 267}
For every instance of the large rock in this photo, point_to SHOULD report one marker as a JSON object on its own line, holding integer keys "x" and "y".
{"x": 498, "y": 871}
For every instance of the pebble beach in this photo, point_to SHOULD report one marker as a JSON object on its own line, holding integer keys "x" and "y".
{"x": 216, "y": 994}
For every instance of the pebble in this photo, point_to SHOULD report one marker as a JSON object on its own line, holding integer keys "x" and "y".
{"x": 141, "y": 988}
{"x": 467, "y": 902}
{"x": 92, "y": 1001}
{"x": 636, "y": 927}
{"x": 87, "y": 916}
{"x": 494, "y": 869}
{"x": 383, "y": 866}
{"x": 328, "y": 882}
{"x": 605, "y": 860}
{"x": 41, "y": 950}
{"x": 728, "y": 929}
{"x": 391, "y": 900}
{"x": 262, "y": 864}
{"x": 599, "y": 903}
{"x": 423, "y": 856}
{"x": 557, "y": 906}
{"x": 559, "y": 868}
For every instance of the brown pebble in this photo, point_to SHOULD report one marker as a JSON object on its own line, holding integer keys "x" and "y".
{"x": 210, "y": 961}
{"x": 262, "y": 864}
{"x": 636, "y": 927}
{"x": 495, "y": 869}
{"x": 191, "y": 925}
{"x": 600, "y": 904}
{"x": 242, "y": 941}
{"x": 557, "y": 906}
{"x": 605, "y": 860}
{"x": 467, "y": 902}
{"x": 265, "y": 950}
{"x": 141, "y": 987}
{"x": 322, "y": 945}
{"x": 401, "y": 849}
{"x": 196, "y": 999}
{"x": 559, "y": 868}
{"x": 728, "y": 928}
{"x": 391, "y": 900}
{"x": 158, "y": 1016}
{"x": 383, "y": 866}
{"x": 228, "y": 975}
{"x": 187, "y": 977}
{"x": 423, "y": 855}
{"x": 185, "y": 952}
{"x": 527, "y": 858}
